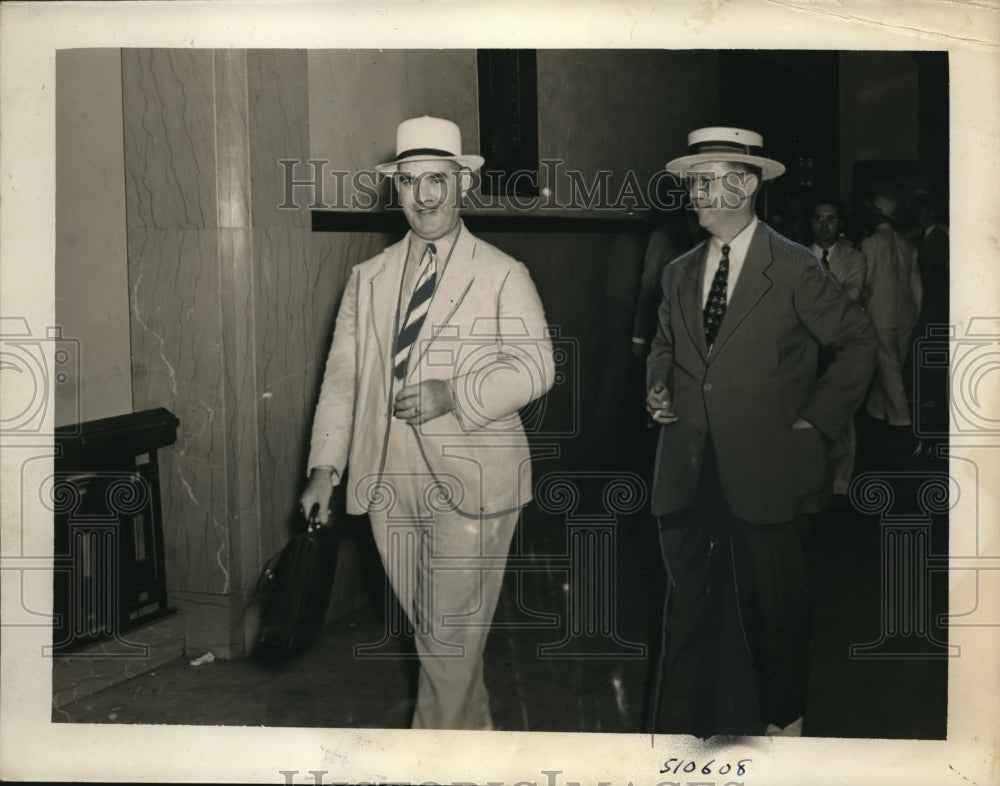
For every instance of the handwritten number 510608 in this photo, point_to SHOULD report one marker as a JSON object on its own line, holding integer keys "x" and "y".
{"x": 675, "y": 766}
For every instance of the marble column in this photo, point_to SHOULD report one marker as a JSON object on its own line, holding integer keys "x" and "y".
{"x": 191, "y": 298}
{"x": 299, "y": 279}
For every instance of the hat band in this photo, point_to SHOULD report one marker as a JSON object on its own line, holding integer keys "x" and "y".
{"x": 725, "y": 147}
{"x": 424, "y": 151}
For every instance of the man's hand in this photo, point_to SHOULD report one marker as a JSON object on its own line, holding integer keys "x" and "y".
{"x": 658, "y": 405}
{"x": 317, "y": 492}
{"x": 416, "y": 404}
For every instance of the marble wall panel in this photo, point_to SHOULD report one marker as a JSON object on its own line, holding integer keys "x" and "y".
{"x": 169, "y": 124}
{"x": 299, "y": 280}
{"x": 286, "y": 335}
{"x": 358, "y": 97}
{"x": 177, "y": 363}
{"x": 278, "y": 97}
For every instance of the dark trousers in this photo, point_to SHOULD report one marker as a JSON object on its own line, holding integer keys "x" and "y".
{"x": 736, "y": 643}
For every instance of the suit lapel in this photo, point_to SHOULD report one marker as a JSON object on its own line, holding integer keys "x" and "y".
{"x": 750, "y": 287}
{"x": 459, "y": 273}
{"x": 840, "y": 254}
{"x": 383, "y": 295}
{"x": 690, "y": 298}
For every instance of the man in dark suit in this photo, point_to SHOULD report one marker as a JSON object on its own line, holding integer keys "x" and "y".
{"x": 931, "y": 241}
{"x": 743, "y": 451}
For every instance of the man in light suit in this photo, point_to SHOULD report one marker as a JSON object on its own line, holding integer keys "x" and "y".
{"x": 893, "y": 299}
{"x": 742, "y": 456}
{"x": 439, "y": 341}
{"x": 850, "y": 268}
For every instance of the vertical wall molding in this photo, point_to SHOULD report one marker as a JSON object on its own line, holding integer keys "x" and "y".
{"x": 236, "y": 296}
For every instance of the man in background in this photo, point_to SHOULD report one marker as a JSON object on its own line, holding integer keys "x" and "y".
{"x": 669, "y": 240}
{"x": 849, "y": 268}
{"x": 893, "y": 297}
{"x": 932, "y": 242}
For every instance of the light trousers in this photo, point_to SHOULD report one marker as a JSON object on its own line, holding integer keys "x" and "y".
{"x": 887, "y": 396}
{"x": 446, "y": 568}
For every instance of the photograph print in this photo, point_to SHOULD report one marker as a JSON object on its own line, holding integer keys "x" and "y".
{"x": 608, "y": 391}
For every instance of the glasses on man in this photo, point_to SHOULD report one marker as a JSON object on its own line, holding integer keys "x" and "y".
{"x": 407, "y": 180}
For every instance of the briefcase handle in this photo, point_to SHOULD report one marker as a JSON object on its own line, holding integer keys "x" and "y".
{"x": 313, "y": 519}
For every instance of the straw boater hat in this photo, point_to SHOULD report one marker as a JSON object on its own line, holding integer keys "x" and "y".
{"x": 884, "y": 206}
{"x": 726, "y": 144}
{"x": 429, "y": 139}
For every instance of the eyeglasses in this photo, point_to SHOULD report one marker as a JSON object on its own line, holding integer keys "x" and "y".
{"x": 702, "y": 180}
{"x": 699, "y": 180}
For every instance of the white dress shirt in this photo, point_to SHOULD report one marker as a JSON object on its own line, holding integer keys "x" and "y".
{"x": 817, "y": 250}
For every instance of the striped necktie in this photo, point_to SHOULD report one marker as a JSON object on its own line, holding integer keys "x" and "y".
{"x": 715, "y": 307}
{"x": 416, "y": 312}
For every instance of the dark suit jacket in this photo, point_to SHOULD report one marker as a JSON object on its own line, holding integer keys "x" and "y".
{"x": 760, "y": 378}
{"x": 932, "y": 256}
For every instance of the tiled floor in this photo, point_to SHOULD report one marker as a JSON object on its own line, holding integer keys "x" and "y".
{"x": 596, "y": 683}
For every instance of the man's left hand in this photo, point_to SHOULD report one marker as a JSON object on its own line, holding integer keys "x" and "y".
{"x": 416, "y": 404}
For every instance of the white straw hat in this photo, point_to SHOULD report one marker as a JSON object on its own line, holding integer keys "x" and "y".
{"x": 884, "y": 206}
{"x": 726, "y": 144}
{"x": 429, "y": 139}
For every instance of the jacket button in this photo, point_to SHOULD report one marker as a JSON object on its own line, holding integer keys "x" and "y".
{"x": 707, "y": 386}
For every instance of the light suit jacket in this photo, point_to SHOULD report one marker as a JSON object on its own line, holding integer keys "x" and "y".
{"x": 485, "y": 333}
{"x": 760, "y": 377}
{"x": 894, "y": 288}
{"x": 849, "y": 267}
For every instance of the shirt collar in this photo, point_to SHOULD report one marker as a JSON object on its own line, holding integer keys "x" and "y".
{"x": 739, "y": 245}
{"x": 443, "y": 245}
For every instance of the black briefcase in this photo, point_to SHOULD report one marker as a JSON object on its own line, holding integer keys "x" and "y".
{"x": 294, "y": 593}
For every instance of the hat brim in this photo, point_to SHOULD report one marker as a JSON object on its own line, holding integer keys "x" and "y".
{"x": 769, "y": 168}
{"x": 879, "y": 212}
{"x": 470, "y": 162}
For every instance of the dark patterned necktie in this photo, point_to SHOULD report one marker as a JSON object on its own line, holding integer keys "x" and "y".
{"x": 826, "y": 258}
{"x": 416, "y": 312}
{"x": 715, "y": 306}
